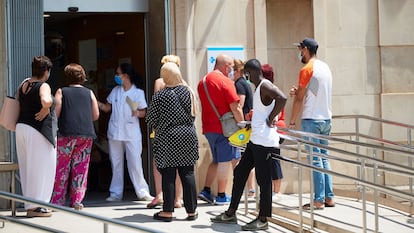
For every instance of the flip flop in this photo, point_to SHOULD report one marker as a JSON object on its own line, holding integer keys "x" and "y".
{"x": 192, "y": 217}
{"x": 154, "y": 203}
{"x": 157, "y": 216}
{"x": 329, "y": 205}
{"x": 307, "y": 207}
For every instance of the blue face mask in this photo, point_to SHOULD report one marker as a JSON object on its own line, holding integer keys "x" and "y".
{"x": 118, "y": 80}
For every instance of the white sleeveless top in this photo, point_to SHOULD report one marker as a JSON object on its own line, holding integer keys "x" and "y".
{"x": 262, "y": 134}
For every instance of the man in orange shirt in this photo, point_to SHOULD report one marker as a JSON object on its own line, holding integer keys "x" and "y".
{"x": 314, "y": 95}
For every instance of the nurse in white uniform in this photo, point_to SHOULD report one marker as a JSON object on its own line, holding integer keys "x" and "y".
{"x": 127, "y": 103}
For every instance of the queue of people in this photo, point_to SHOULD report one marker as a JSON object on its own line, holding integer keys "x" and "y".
{"x": 61, "y": 128}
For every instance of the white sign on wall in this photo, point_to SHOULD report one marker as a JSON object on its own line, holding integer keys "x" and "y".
{"x": 237, "y": 52}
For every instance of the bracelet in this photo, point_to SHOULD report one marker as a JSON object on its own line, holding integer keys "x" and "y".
{"x": 292, "y": 124}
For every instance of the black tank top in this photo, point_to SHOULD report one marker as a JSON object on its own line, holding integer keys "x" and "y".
{"x": 76, "y": 115}
{"x": 30, "y": 105}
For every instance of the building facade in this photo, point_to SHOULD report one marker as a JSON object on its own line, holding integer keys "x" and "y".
{"x": 367, "y": 44}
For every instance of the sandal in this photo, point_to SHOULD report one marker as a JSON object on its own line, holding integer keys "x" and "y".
{"x": 78, "y": 206}
{"x": 308, "y": 207}
{"x": 154, "y": 203}
{"x": 39, "y": 212}
{"x": 192, "y": 217}
{"x": 157, "y": 216}
{"x": 329, "y": 204}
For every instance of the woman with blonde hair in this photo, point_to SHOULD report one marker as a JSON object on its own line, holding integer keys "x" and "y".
{"x": 172, "y": 113}
{"x": 158, "y": 85}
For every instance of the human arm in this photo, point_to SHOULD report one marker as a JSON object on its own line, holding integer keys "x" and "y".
{"x": 297, "y": 105}
{"x": 140, "y": 113}
{"x": 95, "y": 108}
{"x": 237, "y": 111}
{"x": 270, "y": 93}
{"x": 58, "y": 99}
{"x": 242, "y": 100}
{"x": 46, "y": 101}
{"x": 158, "y": 84}
{"x": 107, "y": 107}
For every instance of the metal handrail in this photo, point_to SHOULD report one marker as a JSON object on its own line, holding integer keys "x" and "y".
{"x": 409, "y": 145}
{"x": 67, "y": 210}
{"x": 394, "y": 123}
{"x": 360, "y": 160}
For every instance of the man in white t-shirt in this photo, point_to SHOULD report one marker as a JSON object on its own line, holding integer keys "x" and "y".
{"x": 313, "y": 95}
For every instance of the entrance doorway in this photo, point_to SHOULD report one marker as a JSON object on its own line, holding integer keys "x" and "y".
{"x": 99, "y": 42}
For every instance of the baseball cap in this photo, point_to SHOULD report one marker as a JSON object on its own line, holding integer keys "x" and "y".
{"x": 310, "y": 43}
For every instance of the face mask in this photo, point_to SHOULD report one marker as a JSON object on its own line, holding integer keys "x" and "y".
{"x": 247, "y": 76}
{"x": 118, "y": 80}
{"x": 231, "y": 74}
{"x": 300, "y": 56}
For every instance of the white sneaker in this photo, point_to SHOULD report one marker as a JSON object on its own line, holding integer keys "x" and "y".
{"x": 113, "y": 199}
{"x": 276, "y": 197}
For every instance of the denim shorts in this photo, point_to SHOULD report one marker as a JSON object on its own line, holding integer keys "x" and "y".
{"x": 221, "y": 149}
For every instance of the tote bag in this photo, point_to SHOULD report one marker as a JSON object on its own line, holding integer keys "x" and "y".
{"x": 9, "y": 113}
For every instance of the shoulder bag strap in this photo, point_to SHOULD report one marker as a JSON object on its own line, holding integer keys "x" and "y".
{"x": 209, "y": 99}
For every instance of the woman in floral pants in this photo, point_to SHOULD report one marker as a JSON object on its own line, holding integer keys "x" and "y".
{"x": 77, "y": 108}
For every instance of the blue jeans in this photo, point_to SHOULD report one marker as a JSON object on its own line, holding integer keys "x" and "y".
{"x": 322, "y": 182}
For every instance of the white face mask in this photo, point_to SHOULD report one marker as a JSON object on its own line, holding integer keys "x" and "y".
{"x": 300, "y": 56}
{"x": 231, "y": 74}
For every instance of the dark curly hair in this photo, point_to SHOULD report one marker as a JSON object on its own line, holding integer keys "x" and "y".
{"x": 136, "y": 79}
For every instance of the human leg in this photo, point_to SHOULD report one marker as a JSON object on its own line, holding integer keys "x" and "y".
{"x": 79, "y": 171}
{"x": 37, "y": 163}
{"x": 158, "y": 188}
{"x": 205, "y": 194}
{"x": 134, "y": 164}
{"x": 240, "y": 175}
{"x": 314, "y": 126}
{"x": 224, "y": 155}
{"x": 329, "y": 194}
{"x": 187, "y": 178}
{"x": 168, "y": 176}
{"x": 178, "y": 192}
{"x": 116, "y": 156}
{"x": 64, "y": 151}
{"x": 277, "y": 176}
{"x": 263, "y": 167}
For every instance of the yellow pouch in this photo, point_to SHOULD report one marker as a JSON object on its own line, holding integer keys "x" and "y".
{"x": 240, "y": 138}
{"x": 152, "y": 134}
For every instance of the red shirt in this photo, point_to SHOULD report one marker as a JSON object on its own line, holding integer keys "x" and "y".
{"x": 222, "y": 92}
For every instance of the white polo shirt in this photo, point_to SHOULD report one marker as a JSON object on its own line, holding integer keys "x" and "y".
{"x": 122, "y": 125}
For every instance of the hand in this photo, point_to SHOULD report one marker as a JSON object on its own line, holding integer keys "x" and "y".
{"x": 135, "y": 113}
{"x": 271, "y": 123}
{"x": 293, "y": 91}
{"x": 42, "y": 114}
{"x": 248, "y": 116}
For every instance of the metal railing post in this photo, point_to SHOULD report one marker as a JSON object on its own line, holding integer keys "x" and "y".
{"x": 410, "y": 164}
{"x": 300, "y": 189}
{"x": 376, "y": 193}
{"x": 105, "y": 227}
{"x": 312, "y": 189}
{"x": 364, "y": 198}
{"x": 357, "y": 151}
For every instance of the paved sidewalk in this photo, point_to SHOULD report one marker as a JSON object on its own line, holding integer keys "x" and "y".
{"x": 135, "y": 212}
{"x": 346, "y": 216}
